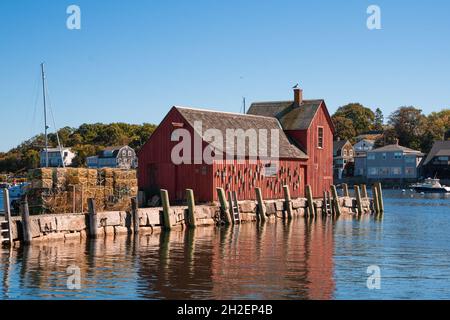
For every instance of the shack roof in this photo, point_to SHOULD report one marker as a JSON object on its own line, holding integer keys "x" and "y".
{"x": 291, "y": 117}
{"x": 224, "y": 121}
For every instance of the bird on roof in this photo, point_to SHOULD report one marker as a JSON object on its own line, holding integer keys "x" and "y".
{"x": 295, "y": 87}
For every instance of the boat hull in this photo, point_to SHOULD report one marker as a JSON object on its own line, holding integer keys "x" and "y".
{"x": 431, "y": 190}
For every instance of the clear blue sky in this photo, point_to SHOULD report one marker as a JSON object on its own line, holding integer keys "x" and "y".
{"x": 132, "y": 60}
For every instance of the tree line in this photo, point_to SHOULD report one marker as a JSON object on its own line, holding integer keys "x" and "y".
{"x": 86, "y": 140}
{"x": 408, "y": 124}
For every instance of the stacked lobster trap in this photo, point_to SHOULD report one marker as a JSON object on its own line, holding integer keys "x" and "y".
{"x": 67, "y": 190}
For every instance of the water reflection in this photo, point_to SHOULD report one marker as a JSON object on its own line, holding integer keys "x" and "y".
{"x": 276, "y": 260}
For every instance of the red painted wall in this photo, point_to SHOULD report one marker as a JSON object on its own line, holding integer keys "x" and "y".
{"x": 320, "y": 163}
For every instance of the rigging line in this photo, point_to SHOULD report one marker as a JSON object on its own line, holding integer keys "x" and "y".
{"x": 54, "y": 126}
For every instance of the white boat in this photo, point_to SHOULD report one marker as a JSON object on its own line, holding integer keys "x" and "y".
{"x": 431, "y": 186}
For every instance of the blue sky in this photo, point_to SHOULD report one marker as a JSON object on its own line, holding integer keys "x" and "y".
{"x": 132, "y": 60}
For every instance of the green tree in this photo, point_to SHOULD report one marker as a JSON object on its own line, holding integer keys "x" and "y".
{"x": 378, "y": 122}
{"x": 410, "y": 126}
{"x": 343, "y": 128}
{"x": 362, "y": 118}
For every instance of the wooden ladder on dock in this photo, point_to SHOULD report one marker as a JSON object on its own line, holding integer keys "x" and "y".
{"x": 234, "y": 207}
{"x": 327, "y": 203}
{"x": 5, "y": 228}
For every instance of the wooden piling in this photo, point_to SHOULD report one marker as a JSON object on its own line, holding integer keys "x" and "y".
{"x": 375, "y": 199}
{"x": 261, "y": 212}
{"x": 287, "y": 201}
{"x": 358, "y": 199}
{"x": 135, "y": 215}
{"x": 26, "y": 227}
{"x": 345, "y": 190}
{"x": 336, "y": 204}
{"x": 364, "y": 191}
{"x": 380, "y": 197}
{"x": 7, "y": 208}
{"x": 310, "y": 199}
{"x": 166, "y": 209}
{"x": 93, "y": 221}
{"x": 191, "y": 208}
{"x": 223, "y": 205}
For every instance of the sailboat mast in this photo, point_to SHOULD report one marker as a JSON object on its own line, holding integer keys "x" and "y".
{"x": 45, "y": 114}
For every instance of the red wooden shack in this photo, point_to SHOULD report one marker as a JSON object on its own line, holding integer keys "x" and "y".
{"x": 301, "y": 131}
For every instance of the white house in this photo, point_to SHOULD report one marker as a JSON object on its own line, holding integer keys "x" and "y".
{"x": 114, "y": 157}
{"x": 56, "y": 156}
{"x": 363, "y": 146}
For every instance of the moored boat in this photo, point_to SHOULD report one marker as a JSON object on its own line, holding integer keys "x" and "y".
{"x": 431, "y": 186}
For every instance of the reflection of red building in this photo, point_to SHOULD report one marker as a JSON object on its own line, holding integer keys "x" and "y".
{"x": 305, "y": 151}
{"x": 287, "y": 261}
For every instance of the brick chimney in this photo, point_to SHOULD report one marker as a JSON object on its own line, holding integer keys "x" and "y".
{"x": 298, "y": 96}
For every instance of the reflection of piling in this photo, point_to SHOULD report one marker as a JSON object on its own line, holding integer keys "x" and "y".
{"x": 166, "y": 209}
{"x": 287, "y": 201}
{"x": 191, "y": 208}
{"x": 26, "y": 227}
{"x": 261, "y": 211}
{"x": 310, "y": 200}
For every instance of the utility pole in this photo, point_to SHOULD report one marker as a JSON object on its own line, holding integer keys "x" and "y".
{"x": 45, "y": 114}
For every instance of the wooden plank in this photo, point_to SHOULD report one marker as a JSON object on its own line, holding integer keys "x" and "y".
{"x": 261, "y": 206}
{"x": 135, "y": 215}
{"x": 345, "y": 190}
{"x": 166, "y": 209}
{"x": 191, "y": 208}
{"x": 223, "y": 205}
{"x": 7, "y": 208}
{"x": 380, "y": 197}
{"x": 358, "y": 199}
{"x": 309, "y": 197}
{"x": 287, "y": 201}
{"x": 93, "y": 223}
{"x": 26, "y": 227}
{"x": 336, "y": 204}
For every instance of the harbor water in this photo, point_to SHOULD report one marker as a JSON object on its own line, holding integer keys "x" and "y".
{"x": 406, "y": 251}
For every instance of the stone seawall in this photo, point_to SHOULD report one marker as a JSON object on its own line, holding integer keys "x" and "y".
{"x": 72, "y": 227}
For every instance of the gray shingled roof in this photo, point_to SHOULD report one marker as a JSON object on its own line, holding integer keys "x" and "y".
{"x": 224, "y": 120}
{"x": 395, "y": 147}
{"x": 290, "y": 116}
{"x": 337, "y": 145}
{"x": 440, "y": 149}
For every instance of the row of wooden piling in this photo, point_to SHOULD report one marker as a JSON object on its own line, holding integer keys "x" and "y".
{"x": 361, "y": 193}
{"x": 331, "y": 199}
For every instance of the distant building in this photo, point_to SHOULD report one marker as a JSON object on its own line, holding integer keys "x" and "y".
{"x": 56, "y": 157}
{"x": 389, "y": 162}
{"x": 342, "y": 159}
{"x": 363, "y": 145}
{"x": 437, "y": 163}
{"x": 370, "y": 135}
{"x": 114, "y": 157}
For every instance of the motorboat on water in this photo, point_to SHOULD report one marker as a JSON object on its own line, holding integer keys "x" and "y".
{"x": 430, "y": 185}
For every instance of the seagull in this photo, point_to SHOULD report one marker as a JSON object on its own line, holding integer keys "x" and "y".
{"x": 295, "y": 87}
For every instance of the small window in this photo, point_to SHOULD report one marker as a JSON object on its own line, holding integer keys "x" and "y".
{"x": 398, "y": 155}
{"x": 345, "y": 152}
{"x": 384, "y": 156}
{"x": 396, "y": 171}
{"x": 371, "y": 156}
{"x": 320, "y": 138}
{"x": 410, "y": 171}
{"x": 350, "y": 153}
{"x": 270, "y": 170}
{"x": 373, "y": 171}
